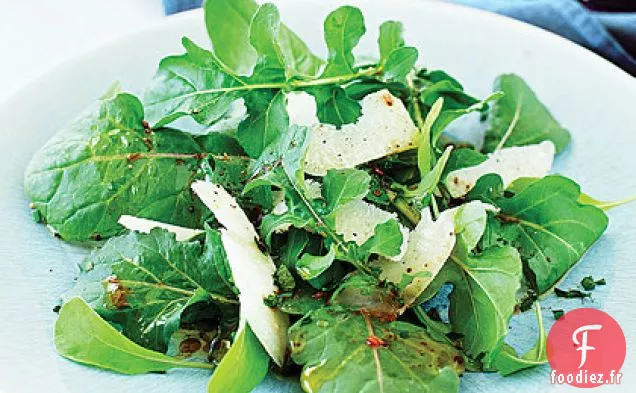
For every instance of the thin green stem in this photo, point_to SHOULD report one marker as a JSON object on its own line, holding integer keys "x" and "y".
{"x": 289, "y": 85}
{"x": 412, "y": 215}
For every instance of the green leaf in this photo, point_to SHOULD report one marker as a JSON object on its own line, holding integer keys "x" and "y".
{"x": 344, "y": 185}
{"x": 390, "y": 38}
{"x": 430, "y": 180}
{"x": 446, "y": 117}
{"x": 297, "y": 240}
{"x": 228, "y": 24}
{"x": 346, "y": 352}
{"x": 264, "y": 30}
{"x": 484, "y": 297}
{"x": 334, "y": 106}
{"x": 485, "y": 285}
{"x": 550, "y": 227}
{"x": 148, "y": 280}
{"x": 343, "y": 29}
{"x": 82, "y": 336}
{"x": 267, "y": 119}
{"x": 508, "y": 362}
{"x": 311, "y": 266}
{"x": 387, "y": 240}
{"x": 438, "y": 84}
{"x": 399, "y": 63}
{"x": 243, "y": 367}
{"x": 521, "y": 115}
{"x": 588, "y": 200}
{"x": 193, "y": 84}
{"x": 104, "y": 164}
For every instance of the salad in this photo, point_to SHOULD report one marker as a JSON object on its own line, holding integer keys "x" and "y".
{"x": 261, "y": 209}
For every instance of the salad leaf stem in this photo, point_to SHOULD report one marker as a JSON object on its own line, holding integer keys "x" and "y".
{"x": 294, "y": 84}
{"x": 403, "y": 207}
{"x": 511, "y": 126}
{"x": 185, "y": 292}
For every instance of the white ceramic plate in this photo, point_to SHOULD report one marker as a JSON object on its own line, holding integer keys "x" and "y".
{"x": 591, "y": 97}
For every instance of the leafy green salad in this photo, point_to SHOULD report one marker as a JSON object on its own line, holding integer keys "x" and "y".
{"x": 265, "y": 210}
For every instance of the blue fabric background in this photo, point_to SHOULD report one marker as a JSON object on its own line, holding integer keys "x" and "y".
{"x": 611, "y": 35}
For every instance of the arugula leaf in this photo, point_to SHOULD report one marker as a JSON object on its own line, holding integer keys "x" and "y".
{"x": 148, "y": 280}
{"x": 264, "y": 30}
{"x": 334, "y": 106}
{"x": 343, "y": 29}
{"x": 438, "y": 84}
{"x": 387, "y": 240}
{"x": 105, "y": 164}
{"x": 267, "y": 119}
{"x": 347, "y": 352}
{"x": 588, "y": 200}
{"x": 173, "y": 91}
{"x": 484, "y": 297}
{"x": 485, "y": 285}
{"x": 520, "y": 119}
{"x": 82, "y": 336}
{"x": 228, "y": 25}
{"x": 448, "y": 116}
{"x": 550, "y": 227}
{"x": 390, "y": 38}
{"x": 344, "y": 185}
{"x": 508, "y": 362}
{"x": 399, "y": 63}
{"x": 243, "y": 367}
{"x": 311, "y": 266}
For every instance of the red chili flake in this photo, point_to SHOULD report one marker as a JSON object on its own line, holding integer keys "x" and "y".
{"x": 377, "y": 171}
{"x": 376, "y": 342}
{"x": 145, "y": 124}
{"x": 318, "y": 295}
{"x": 377, "y": 192}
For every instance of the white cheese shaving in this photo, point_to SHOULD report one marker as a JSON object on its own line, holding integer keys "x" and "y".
{"x": 144, "y": 225}
{"x": 430, "y": 245}
{"x": 252, "y": 270}
{"x": 356, "y": 221}
{"x": 511, "y": 163}
{"x": 384, "y": 127}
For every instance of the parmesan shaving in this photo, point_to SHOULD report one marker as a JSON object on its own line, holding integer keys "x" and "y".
{"x": 510, "y": 163}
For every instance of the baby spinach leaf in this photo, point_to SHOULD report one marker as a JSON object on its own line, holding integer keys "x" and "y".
{"x": 82, "y": 336}
{"x": 344, "y": 185}
{"x": 508, "y": 362}
{"x": 192, "y": 84}
{"x": 105, "y": 164}
{"x": 390, "y": 38}
{"x": 550, "y": 227}
{"x": 343, "y": 29}
{"x": 243, "y": 367}
{"x": 148, "y": 280}
{"x": 521, "y": 115}
{"x": 351, "y": 352}
{"x": 267, "y": 119}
